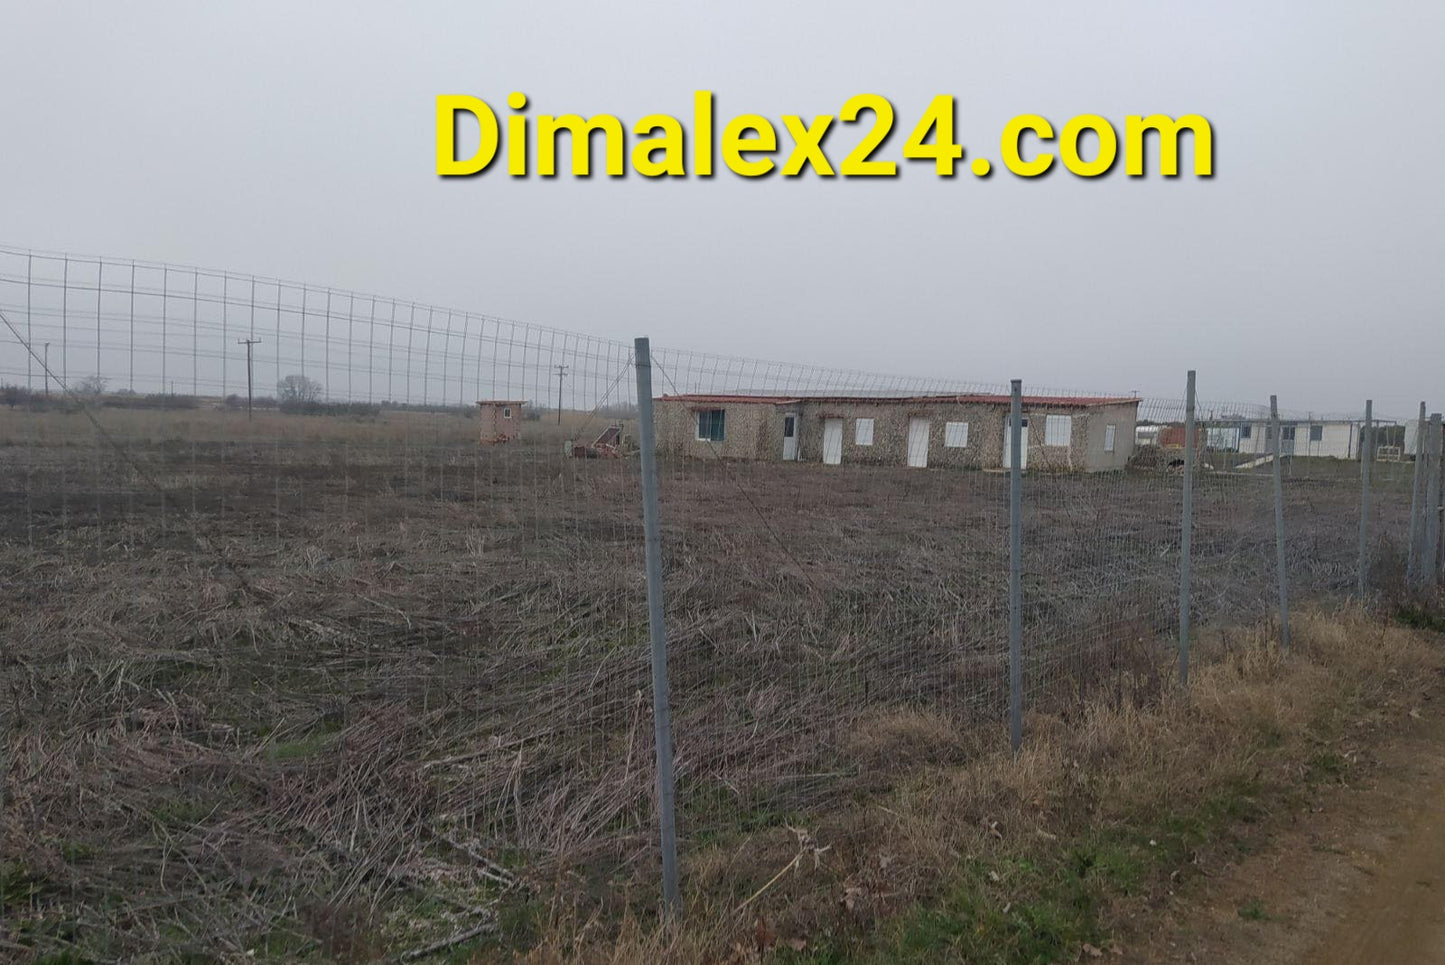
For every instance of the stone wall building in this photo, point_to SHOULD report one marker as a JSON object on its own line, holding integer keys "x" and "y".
{"x": 501, "y": 420}
{"x": 1062, "y": 433}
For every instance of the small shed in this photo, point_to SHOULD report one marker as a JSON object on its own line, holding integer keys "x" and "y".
{"x": 501, "y": 420}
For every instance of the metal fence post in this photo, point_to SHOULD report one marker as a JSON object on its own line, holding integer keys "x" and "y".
{"x": 661, "y": 714}
{"x": 1279, "y": 523}
{"x": 1186, "y": 530}
{"x": 1430, "y": 551}
{"x": 1440, "y": 509}
{"x": 1367, "y": 452}
{"x": 1015, "y": 568}
{"x": 1412, "y": 550}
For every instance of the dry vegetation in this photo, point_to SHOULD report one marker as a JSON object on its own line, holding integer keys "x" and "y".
{"x": 974, "y": 856}
{"x": 328, "y": 687}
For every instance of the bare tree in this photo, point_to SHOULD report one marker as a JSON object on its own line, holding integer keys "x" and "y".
{"x": 297, "y": 390}
{"x": 90, "y": 385}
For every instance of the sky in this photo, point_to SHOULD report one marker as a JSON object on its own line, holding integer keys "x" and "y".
{"x": 298, "y": 141}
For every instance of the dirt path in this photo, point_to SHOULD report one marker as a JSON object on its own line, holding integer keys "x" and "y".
{"x": 1357, "y": 877}
{"x": 1399, "y": 915}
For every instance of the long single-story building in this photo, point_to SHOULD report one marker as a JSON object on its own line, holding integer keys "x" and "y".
{"x": 1325, "y": 437}
{"x": 1060, "y": 433}
{"x": 1328, "y": 438}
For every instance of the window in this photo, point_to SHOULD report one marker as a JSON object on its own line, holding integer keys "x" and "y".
{"x": 710, "y": 424}
{"x": 1058, "y": 429}
{"x": 790, "y": 426}
{"x": 506, "y": 412}
{"x": 1286, "y": 433}
{"x": 1317, "y": 433}
{"x": 1244, "y": 431}
{"x": 955, "y": 435}
{"x": 863, "y": 432}
{"x": 1109, "y": 432}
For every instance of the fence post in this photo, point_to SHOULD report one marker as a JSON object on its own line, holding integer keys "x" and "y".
{"x": 1439, "y": 510}
{"x": 1279, "y": 523}
{"x": 1430, "y": 551}
{"x": 1015, "y": 568}
{"x": 1367, "y": 453}
{"x": 1186, "y": 531}
{"x": 1412, "y": 550}
{"x": 661, "y": 714}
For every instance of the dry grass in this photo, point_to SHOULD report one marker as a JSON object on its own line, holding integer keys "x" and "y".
{"x": 210, "y": 424}
{"x": 989, "y": 843}
{"x": 320, "y": 695}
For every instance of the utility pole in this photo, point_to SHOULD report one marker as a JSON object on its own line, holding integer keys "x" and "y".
{"x": 248, "y": 342}
{"x": 46, "y": 365}
{"x": 561, "y": 372}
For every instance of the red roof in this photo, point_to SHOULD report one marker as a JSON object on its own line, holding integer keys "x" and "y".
{"x": 1076, "y": 401}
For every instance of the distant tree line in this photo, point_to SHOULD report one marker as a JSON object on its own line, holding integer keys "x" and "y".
{"x": 618, "y": 410}
{"x": 92, "y": 388}
{"x": 296, "y": 394}
{"x": 534, "y": 412}
{"x": 366, "y": 410}
{"x": 467, "y": 409}
{"x": 300, "y": 395}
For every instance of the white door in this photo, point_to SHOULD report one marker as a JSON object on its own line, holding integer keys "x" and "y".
{"x": 1008, "y": 447}
{"x": 918, "y": 443}
{"x": 790, "y": 436}
{"x": 832, "y": 441}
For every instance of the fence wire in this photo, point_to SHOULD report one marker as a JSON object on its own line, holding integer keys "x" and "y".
{"x": 324, "y": 600}
{"x": 337, "y": 639}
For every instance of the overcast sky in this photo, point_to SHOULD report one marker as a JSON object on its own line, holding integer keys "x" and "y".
{"x": 297, "y": 140}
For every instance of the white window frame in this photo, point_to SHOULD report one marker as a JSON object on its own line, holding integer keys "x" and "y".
{"x": 1056, "y": 426}
{"x": 863, "y": 432}
{"x": 955, "y": 435}
{"x": 506, "y": 412}
{"x": 1110, "y": 433}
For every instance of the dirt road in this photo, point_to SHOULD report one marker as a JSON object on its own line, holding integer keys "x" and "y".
{"x": 1398, "y": 914}
{"x": 1356, "y": 878}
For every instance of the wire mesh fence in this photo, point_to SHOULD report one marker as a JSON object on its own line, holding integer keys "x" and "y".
{"x": 337, "y": 638}
{"x": 323, "y": 599}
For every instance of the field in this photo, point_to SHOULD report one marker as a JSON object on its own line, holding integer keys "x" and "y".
{"x": 265, "y": 681}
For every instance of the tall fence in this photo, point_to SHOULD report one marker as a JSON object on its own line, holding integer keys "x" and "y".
{"x": 322, "y": 598}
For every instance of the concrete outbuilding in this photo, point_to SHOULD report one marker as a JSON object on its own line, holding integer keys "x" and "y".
{"x": 1060, "y": 433}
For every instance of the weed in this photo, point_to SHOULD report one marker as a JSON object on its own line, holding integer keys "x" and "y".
{"x": 20, "y": 884}
{"x": 1253, "y": 910}
{"x": 1421, "y": 617}
{"x": 1327, "y": 765}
